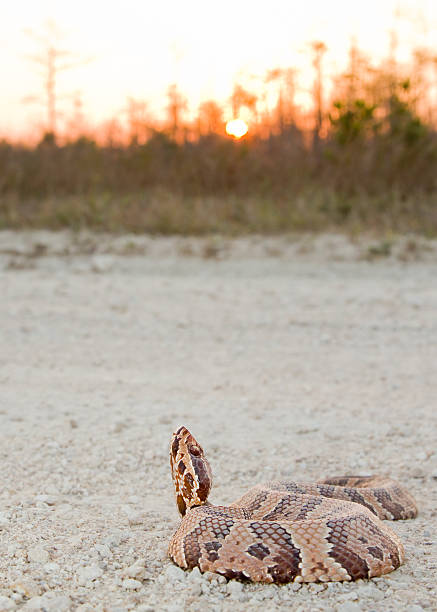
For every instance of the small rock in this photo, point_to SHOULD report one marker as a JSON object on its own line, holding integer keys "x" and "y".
{"x": 35, "y": 603}
{"x": 103, "y": 550}
{"x": 350, "y": 595}
{"x": 137, "y": 570}
{"x": 114, "y": 538}
{"x": 205, "y": 587}
{"x": 58, "y": 603}
{"x": 175, "y": 573}
{"x": 136, "y": 518}
{"x": 6, "y": 604}
{"x": 130, "y": 584}
{"x": 195, "y": 575}
{"x": 50, "y": 500}
{"x": 235, "y": 590}
{"x": 49, "y": 602}
{"x": 51, "y": 567}
{"x": 195, "y": 589}
{"x": 417, "y": 472}
{"x": 27, "y": 587}
{"x": 64, "y": 510}
{"x": 75, "y": 540}
{"x": 88, "y": 574}
{"x": 404, "y": 595}
{"x": 102, "y": 263}
{"x": 414, "y": 608}
{"x": 118, "y": 427}
{"x": 53, "y": 444}
{"x": 316, "y": 587}
{"x": 37, "y": 554}
{"x": 369, "y": 591}
{"x": 349, "y": 606}
{"x": 259, "y": 595}
{"x": 133, "y": 516}
{"x": 4, "y": 521}
{"x": 333, "y": 587}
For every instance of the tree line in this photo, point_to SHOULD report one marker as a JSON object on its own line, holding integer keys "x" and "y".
{"x": 369, "y": 141}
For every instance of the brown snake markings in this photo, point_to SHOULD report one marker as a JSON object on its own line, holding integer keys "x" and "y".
{"x": 285, "y": 531}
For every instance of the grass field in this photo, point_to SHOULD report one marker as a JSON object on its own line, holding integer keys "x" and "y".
{"x": 158, "y": 211}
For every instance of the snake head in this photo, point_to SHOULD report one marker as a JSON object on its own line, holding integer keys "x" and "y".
{"x": 190, "y": 471}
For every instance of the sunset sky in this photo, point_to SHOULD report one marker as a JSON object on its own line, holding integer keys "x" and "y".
{"x": 137, "y": 47}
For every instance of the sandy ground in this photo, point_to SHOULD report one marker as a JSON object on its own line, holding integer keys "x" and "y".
{"x": 288, "y": 357}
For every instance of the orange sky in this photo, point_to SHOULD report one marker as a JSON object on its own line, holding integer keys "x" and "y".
{"x": 138, "y": 47}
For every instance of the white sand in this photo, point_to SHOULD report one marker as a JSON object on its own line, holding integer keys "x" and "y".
{"x": 285, "y": 357}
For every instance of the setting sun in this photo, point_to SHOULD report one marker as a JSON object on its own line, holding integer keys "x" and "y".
{"x": 236, "y": 128}
{"x": 100, "y": 86}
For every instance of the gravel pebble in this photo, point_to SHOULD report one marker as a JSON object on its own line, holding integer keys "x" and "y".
{"x": 134, "y": 516}
{"x": 194, "y": 589}
{"x": 234, "y": 587}
{"x": 6, "y": 604}
{"x": 88, "y": 574}
{"x": 4, "y": 521}
{"x": 49, "y": 602}
{"x": 38, "y": 554}
{"x": 51, "y": 568}
{"x": 50, "y": 500}
{"x": 129, "y": 584}
{"x": 235, "y": 590}
{"x": 349, "y": 606}
{"x": 369, "y": 591}
{"x": 26, "y": 586}
{"x": 137, "y": 570}
{"x": 172, "y": 573}
{"x": 195, "y": 575}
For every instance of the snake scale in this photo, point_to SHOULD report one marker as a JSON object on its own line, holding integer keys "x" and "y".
{"x": 286, "y": 531}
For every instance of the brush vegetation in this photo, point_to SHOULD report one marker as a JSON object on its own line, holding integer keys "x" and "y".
{"x": 369, "y": 162}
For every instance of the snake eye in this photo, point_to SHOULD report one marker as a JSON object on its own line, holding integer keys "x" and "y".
{"x": 194, "y": 450}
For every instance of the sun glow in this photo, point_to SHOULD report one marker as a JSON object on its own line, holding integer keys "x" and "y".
{"x": 236, "y": 128}
{"x": 122, "y": 71}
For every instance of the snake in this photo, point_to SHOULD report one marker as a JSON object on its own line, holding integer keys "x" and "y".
{"x": 285, "y": 531}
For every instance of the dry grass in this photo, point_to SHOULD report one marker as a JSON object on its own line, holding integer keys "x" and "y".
{"x": 367, "y": 174}
{"x": 158, "y": 211}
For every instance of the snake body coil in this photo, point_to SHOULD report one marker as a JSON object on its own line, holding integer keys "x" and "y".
{"x": 284, "y": 531}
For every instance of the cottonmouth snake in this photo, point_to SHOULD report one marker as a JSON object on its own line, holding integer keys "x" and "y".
{"x": 284, "y": 531}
